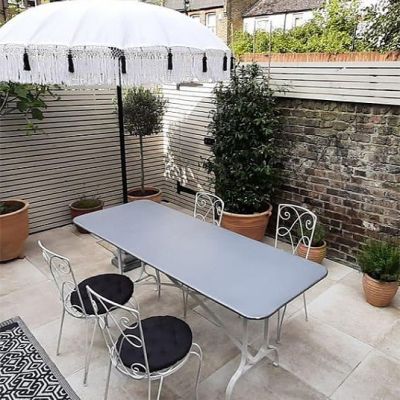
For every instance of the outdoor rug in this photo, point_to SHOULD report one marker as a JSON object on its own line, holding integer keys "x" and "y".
{"x": 26, "y": 371}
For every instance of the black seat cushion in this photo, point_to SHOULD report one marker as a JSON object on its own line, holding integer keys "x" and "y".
{"x": 167, "y": 339}
{"x": 115, "y": 287}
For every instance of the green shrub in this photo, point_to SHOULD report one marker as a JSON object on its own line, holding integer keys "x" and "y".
{"x": 381, "y": 260}
{"x": 319, "y": 234}
{"x": 246, "y": 152}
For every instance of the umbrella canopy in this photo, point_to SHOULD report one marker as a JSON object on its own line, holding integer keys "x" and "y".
{"x": 87, "y": 42}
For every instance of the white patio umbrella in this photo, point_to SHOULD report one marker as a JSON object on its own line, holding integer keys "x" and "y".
{"x": 111, "y": 43}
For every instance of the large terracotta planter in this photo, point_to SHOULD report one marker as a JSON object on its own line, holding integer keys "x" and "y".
{"x": 316, "y": 254}
{"x": 151, "y": 193}
{"x": 76, "y": 211}
{"x": 250, "y": 225}
{"x": 377, "y": 293}
{"x": 14, "y": 229}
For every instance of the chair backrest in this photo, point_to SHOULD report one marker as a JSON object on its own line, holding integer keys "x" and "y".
{"x": 115, "y": 334}
{"x": 208, "y": 207}
{"x": 295, "y": 225}
{"x": 63, "y": 275}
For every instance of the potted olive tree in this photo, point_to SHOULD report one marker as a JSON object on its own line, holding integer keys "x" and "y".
{"x": 246, "y": 153}
{"x": 14, "y": 228}
{"x": 380, "y": 263}
{"x": 144, "y": 110}
{"x": 318, "y": 246}
{"x": 85, "y": 205}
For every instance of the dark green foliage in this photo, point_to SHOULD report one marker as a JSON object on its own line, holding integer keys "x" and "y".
{"x": 144, "y": 110}
{"x": 7, "y": 208}
{"x": 333, "y": 29}
{"x": 381, "y": 260}
{"x": 87, "y": 202}
{"x": 383, "y": 26}
{"x": 246, "y": 152}
{"x": 29, "y": 100}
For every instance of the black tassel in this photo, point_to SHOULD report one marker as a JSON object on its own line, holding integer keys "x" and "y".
{"x": 123, "y": 64}
{"x": 27, "y": 66}
{"x": 225, "y": 65}
{"x": 232, "y": 63}
{"x": 204, "y": 63}
{"x": 170, "y": 65}
{"x": 71, "y": 67}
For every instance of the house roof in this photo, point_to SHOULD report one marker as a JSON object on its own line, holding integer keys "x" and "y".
{"x": 267, "y": 7}
{"x": 194, "y": 4}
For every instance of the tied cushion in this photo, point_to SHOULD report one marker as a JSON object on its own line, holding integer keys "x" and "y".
{"x": 167, "y": 339}
{"x": 115, "y": 287}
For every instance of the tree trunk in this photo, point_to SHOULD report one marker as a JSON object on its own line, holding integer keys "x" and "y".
{"x": 141, "y": 163}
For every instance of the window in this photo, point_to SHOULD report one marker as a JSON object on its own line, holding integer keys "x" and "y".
{"x": 298, "y": 20}
{"x": 211, "y": 22}
{"x": 263, "y": 24}
{"x": 196, "y": 17}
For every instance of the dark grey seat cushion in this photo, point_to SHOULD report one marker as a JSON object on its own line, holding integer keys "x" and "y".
{"x": 115, "y": 287}
{"x": 167, "y": 339}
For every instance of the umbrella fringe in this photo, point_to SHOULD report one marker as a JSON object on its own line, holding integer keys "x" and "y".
{"x": 86, "y": 66}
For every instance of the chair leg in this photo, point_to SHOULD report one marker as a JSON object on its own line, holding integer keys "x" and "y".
{"x": 160, "y": 387}
{"x": 305, "y": 306}
{"x": 89, "y": 349}
{"x": 149, "y": 389}
{"x": 158, "y": 283}
{"x": 108, "y": 380}
{"x": 199, "y": 354}
{"x": 60, "y": 331}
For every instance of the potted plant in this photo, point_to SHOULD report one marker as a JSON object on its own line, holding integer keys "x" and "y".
{"x": 14, "y": 228}
{"x": 380, "y": 263}
{"x": 245, "y": 153}
{"x": 85, "y": 205}
{"x": 318, "y": 246}
{"x": 144, "y": 110}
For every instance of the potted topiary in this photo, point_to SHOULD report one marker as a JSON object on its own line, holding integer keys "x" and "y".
{"x": 85, "y": 205}
{"x": 144, "y": 110}
{"x": 14, "y": 228}
{"x": 245, "y": 153}
{"x": 380, "y": 263}
{"x": 318, "y": 246}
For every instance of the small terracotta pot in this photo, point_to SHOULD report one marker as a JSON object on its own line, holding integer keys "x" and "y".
{"x": 156, "y": 195}
{"x": 251, "y": 225}
{"x": 377, "y": 293}
{"x": 14, "y": 229}
{"x": 316, "y": 254}
{"x": 76, "y": 212}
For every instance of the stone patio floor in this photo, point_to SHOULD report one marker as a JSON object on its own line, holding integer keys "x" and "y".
{"x": 347, "y": 350}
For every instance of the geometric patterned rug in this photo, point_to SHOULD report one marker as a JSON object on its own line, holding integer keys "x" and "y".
{"x": 26, "y": 371}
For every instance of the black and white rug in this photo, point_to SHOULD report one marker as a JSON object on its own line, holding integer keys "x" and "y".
{"x": 26, "y": 371}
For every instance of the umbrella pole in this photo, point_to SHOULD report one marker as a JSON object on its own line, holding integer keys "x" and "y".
{"x": 122, "y": 139}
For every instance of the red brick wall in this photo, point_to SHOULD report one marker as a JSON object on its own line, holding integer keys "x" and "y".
{"x": 343, "y": 162}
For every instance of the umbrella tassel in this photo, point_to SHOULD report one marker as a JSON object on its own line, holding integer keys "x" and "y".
{"x": 170, "y": 64}
{"x": 123, "y": 64}
{"x": 232, "y": 63}
{"x": 27, "y": 66}
{"x": 225, "y": 63}
{"x": 205, "y": 63}
{"x": 71, "y": 67}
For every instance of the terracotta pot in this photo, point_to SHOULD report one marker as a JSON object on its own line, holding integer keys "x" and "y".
{"x": 316, "y": 254}
{"x": 377, "y": 293}
{"x": 14, "y": 229}
{"x": 152, "y": 194}
{"x": 251, "y": 225}
{"x": 76, "y": 212}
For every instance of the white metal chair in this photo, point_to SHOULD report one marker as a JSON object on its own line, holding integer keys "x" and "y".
{"x": 295, "y": 225}
{"x": 150, "y": 349}
{"x": 208, "y": 207}
{"x": 74, "y": 297}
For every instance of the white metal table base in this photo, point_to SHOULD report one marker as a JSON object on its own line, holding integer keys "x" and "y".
{"x": 248, "y": 360}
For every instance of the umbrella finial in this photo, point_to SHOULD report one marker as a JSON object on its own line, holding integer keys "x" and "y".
{"x": 27, "y": 66}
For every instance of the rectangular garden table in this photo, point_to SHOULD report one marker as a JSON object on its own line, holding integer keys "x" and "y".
{"x": 248, "y": 277}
